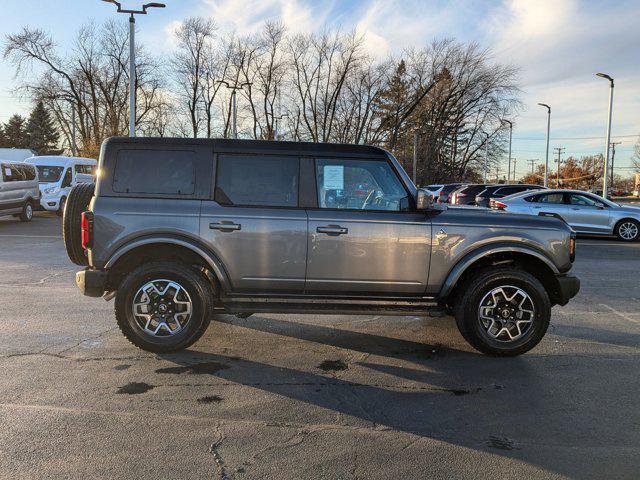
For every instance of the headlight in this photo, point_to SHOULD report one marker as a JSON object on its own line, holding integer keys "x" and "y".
{"x": 49, "y": 191}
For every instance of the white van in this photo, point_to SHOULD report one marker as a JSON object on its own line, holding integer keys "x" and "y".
{"x": 58, "y": 175}
{"x": 19, "y": 193}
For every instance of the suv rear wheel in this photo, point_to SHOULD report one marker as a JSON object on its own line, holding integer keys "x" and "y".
{"x": 503, "y": 311}
{"x": 163, "y": 307}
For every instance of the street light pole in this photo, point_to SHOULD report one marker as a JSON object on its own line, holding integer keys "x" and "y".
{"x": 132, "y": 56}
{"x": 546, "y": 162}
{"x": 486, "y": 157}
{"x": 510, "y": 137}
{"x": 234, "y": 111}
{"x": 605, "y": 179}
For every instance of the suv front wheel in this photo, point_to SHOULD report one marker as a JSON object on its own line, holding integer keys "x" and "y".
{"x": 163, "y": 307}
{"x": 503, "y": 311}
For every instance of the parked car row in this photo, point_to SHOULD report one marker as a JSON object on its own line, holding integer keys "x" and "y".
{"x": 479, "y": 194}
{"x": 41, "y": 183}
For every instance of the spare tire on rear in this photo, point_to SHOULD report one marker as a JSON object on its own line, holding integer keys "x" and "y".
{"x": 77, "y": 202}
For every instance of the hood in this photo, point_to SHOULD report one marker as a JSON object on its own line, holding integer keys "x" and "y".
{"x": 630, "y": 209}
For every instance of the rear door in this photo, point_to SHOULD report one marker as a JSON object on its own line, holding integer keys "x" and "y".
{"x": 365, "y": 240}
{"x": 587, "y": 214}
{"x": 254, "y": 223}
{"x": 12, "y": 186}
{"x": 550, "y": 205}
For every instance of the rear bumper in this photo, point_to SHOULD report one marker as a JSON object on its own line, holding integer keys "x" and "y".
{"x": 91, "y": 282}
{"x": 568, "y": 287}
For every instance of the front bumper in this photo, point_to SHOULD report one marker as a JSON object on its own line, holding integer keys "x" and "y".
{"x": 568, "y": 287}
{"x": 91, "y": 283}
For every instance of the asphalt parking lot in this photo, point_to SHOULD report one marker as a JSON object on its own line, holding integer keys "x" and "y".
{"x": 306, "y": 397}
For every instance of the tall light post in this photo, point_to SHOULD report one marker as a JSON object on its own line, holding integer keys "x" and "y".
{"x": 510, "y": 137}
{"x": 132, "y": 56}
{"x": 234, "y": 111}
{"x": 486, "y": 157}
{"x": 546, "y": 161}
{"x": 605, "y": 177}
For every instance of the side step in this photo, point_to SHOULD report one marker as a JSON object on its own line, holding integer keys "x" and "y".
{"x": 332, "y": 306}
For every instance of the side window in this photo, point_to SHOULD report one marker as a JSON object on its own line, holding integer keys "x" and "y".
{"x": 583, "y": 200}
{"x": 257, "y": 180}
{"x": 13, "y": 173}
{"x": 7, "y": 173}
{"x": 163, "y": 172}
{"x": 555, "y": 198}
{"x": 29, "y": 172}
{"x": 79, "y": 168}
{"x": 359, "y": 185}
{"x": 66, "y": 181}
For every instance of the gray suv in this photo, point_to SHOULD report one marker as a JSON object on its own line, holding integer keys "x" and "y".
{"x": 178, "y": 229}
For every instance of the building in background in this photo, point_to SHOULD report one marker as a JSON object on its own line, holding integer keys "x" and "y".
{"x": 15, "y": 154}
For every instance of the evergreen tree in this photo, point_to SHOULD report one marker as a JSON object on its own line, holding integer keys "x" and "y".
{"x": 3, "y": 140}
{"x": 42, "y": 135}
{"x": 14, "y": 132}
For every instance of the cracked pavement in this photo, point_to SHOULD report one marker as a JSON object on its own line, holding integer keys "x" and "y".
{"x": 312, "y": 397}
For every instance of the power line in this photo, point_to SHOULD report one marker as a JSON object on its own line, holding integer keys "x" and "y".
{"x": 575, "y": 138}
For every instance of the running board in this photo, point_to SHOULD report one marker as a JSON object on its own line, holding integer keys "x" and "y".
{"x": 332, "y": 306}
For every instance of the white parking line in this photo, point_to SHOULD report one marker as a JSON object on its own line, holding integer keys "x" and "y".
{"x": 31, "y": 236}
{"x": 620, "y": 314}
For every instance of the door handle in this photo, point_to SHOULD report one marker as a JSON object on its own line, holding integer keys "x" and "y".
{"x": 225, "y": 226}
{"x": 575, "y": 208}
{"x": 333, "y": 230}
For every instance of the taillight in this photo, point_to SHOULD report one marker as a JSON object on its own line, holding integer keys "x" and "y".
{"x": 572, "y": 247}
{"x": 498, "y": 205}
{"x": 86, "y": 225}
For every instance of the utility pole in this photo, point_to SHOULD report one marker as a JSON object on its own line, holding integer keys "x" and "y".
{"x": 559, "y": 151}
{"x": 74, "y": 149}
{"x": 514, "y": 170}
{"x": 613, "y": 156}
{"x": 415, "y": 157}
{"x": 546, "y": 164}
{"x": 132, "y": 57}
{"x": 532, "y": 162}
{"x": 605, "y": 188}
{"x": 510, "y": 137}
{"x": 234, "y": 110}
{"x": 486, "y": 157}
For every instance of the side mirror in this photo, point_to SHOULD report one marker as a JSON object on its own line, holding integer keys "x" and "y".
{"x": 424, "y": 200}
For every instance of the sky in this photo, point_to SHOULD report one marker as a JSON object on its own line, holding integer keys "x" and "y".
{"x": 559, "y": 45}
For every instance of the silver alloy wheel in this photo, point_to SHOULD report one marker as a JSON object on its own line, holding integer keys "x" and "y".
{"x": 506, "y": 313}
{"x": 162, "y": 307}
{"x": 28, "y": 210}
{"x": 628, "y": 230}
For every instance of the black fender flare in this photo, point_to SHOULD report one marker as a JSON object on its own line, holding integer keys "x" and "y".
{"x": 472, "y": 257}
{"x": 206, "y": 254}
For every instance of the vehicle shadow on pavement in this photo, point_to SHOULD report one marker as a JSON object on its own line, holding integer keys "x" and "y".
{"x": 347, "y": 339}
{"x": 464, "y": 399}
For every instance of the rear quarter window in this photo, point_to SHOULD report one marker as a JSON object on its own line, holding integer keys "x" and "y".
{"x": 170, "y": 172}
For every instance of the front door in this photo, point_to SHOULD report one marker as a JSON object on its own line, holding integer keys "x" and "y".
{"x": 254, "y": 224}
{"x": 587, "y": 214}
{"x": 364, "y": 237}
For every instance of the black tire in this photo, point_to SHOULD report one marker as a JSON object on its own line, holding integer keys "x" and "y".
{"x": 77, "y": 202}
{"x": 192, "y": 281}
{"x": 623, "y": 226}
{"x": 63, "y": 203}
{"x": 471, "y": 296}
{"x": 27, "y": 212}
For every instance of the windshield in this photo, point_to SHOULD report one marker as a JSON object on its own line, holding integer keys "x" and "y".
{"x": 49, "y": 174}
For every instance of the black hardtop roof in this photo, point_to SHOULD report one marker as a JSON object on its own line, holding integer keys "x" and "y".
{"x": 227, "y": 144}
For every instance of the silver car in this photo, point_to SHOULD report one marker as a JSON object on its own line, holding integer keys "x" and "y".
{"x": 584, "y": 212}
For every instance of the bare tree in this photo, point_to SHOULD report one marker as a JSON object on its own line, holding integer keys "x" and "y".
{"x": 92, "y": 79}
{"x": 194, "y": 71}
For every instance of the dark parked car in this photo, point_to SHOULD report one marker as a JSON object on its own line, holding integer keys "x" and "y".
{"x": 178, "y": 229}
{"x": 498, "y": 191}
{"x": 444, "y": 195}
{"x": 466, "y": 195}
